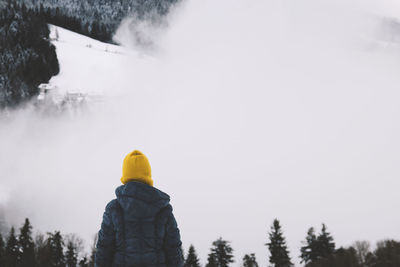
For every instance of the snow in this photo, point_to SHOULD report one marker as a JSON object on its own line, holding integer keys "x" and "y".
{"x": 87, "y": 65}
{"x": 76, "y": 39}
{"x": 256, "y": 114}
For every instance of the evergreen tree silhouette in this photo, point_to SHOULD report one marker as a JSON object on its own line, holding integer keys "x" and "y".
{"x": 386, "y": 254}
{"x": 56, "y": 249}
{"x": 11, "y": 251}
{"x": 325, "y": 244}
{"x": 2, "y": 250}
{"x": 317, "y": 248}
{"x": 192, "y": 260}
{"x": 309, "y": 250}
{"x": 277, "y": 247}
{"x": 221, "y": 254}
{"x": 74, "y": 246}
{"x": 342, "y": 257}
{"x": 71, "y": 255}
{"x": 43, "y": 258}
{"x": 250, "y": 260}
{"x": 26, "y": 246}
{"x": 212, "y": 261}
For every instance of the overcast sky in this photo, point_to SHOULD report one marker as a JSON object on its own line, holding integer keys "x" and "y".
{"x": 248, "y": 111}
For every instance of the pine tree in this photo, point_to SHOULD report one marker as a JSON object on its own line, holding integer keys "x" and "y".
{"x": 250, "y": 260}
{"x": 74, "y": 248}
{"x": 11, "y": 251}
{"x": 317, "y": 248}
{"x": 308, "y": 251}
{"x": 26, "y": 246}
{"x": 2, "y": 251}
{"x": 277, "y": 247}
{"x": 325, "y": 244}
{"x": 42, "y": 251}
{"x": 343, "y": 257}
{"x": 71, "y": 256}
{"x": 192, "y": 260}
{"x": 221, "y": 254}
{"x": 212, "y": 260}
{"x": 386, "y": 254}
{"x": 56, "y": 249}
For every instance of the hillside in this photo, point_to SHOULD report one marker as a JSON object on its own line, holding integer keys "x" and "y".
{"x": 86, "y": 65}
{"x": 98, "y": 19}
{"x": 27, "y": 58}
{"x": 90, "y": 67}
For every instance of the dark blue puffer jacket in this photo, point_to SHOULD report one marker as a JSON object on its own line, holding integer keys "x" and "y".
{"x": 139, "y": 230}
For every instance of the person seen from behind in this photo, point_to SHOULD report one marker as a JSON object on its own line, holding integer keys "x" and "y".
{"x": 138, "y": 227}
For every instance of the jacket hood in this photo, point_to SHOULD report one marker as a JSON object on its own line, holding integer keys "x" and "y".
{"x": 139, "y": 200}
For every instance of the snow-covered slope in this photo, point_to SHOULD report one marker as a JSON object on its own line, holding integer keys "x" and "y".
{"x": 265, "y": 112}
{"x": 87, "y": 65}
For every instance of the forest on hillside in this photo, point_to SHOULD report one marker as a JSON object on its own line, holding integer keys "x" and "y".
{"x": 96, "y": 19}
{"x": 27, "y": 57}
{"x": 19, "y": 248}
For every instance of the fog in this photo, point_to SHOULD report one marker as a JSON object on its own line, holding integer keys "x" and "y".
{"x": 247, "y": 110}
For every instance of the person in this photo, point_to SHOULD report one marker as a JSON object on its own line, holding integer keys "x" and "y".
{"x": 138, "y": 227}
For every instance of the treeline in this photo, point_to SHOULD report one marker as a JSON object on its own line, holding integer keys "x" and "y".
{"x": 55, "y": 15}
{"x": 96, "y": 19}
{"x": 318, "y": 250}
{"x": 94, "y": 29}
{"x": 20, "y": 249}
{"x": 53, "y": 250}
{"x": 27, "y": 58}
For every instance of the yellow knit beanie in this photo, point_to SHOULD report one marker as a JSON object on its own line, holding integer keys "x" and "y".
{"x": 136, "y": 167}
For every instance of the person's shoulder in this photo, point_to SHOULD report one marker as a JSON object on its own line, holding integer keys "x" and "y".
{"x": 112, "y": 205}
{"x": 166, "y": 210}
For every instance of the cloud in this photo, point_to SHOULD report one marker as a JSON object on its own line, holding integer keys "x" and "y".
{"x": 247, "y": 110}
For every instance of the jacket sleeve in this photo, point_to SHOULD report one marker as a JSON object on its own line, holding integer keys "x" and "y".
{"x": 172, "y": 242}
{"x": 105, "y": 247}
